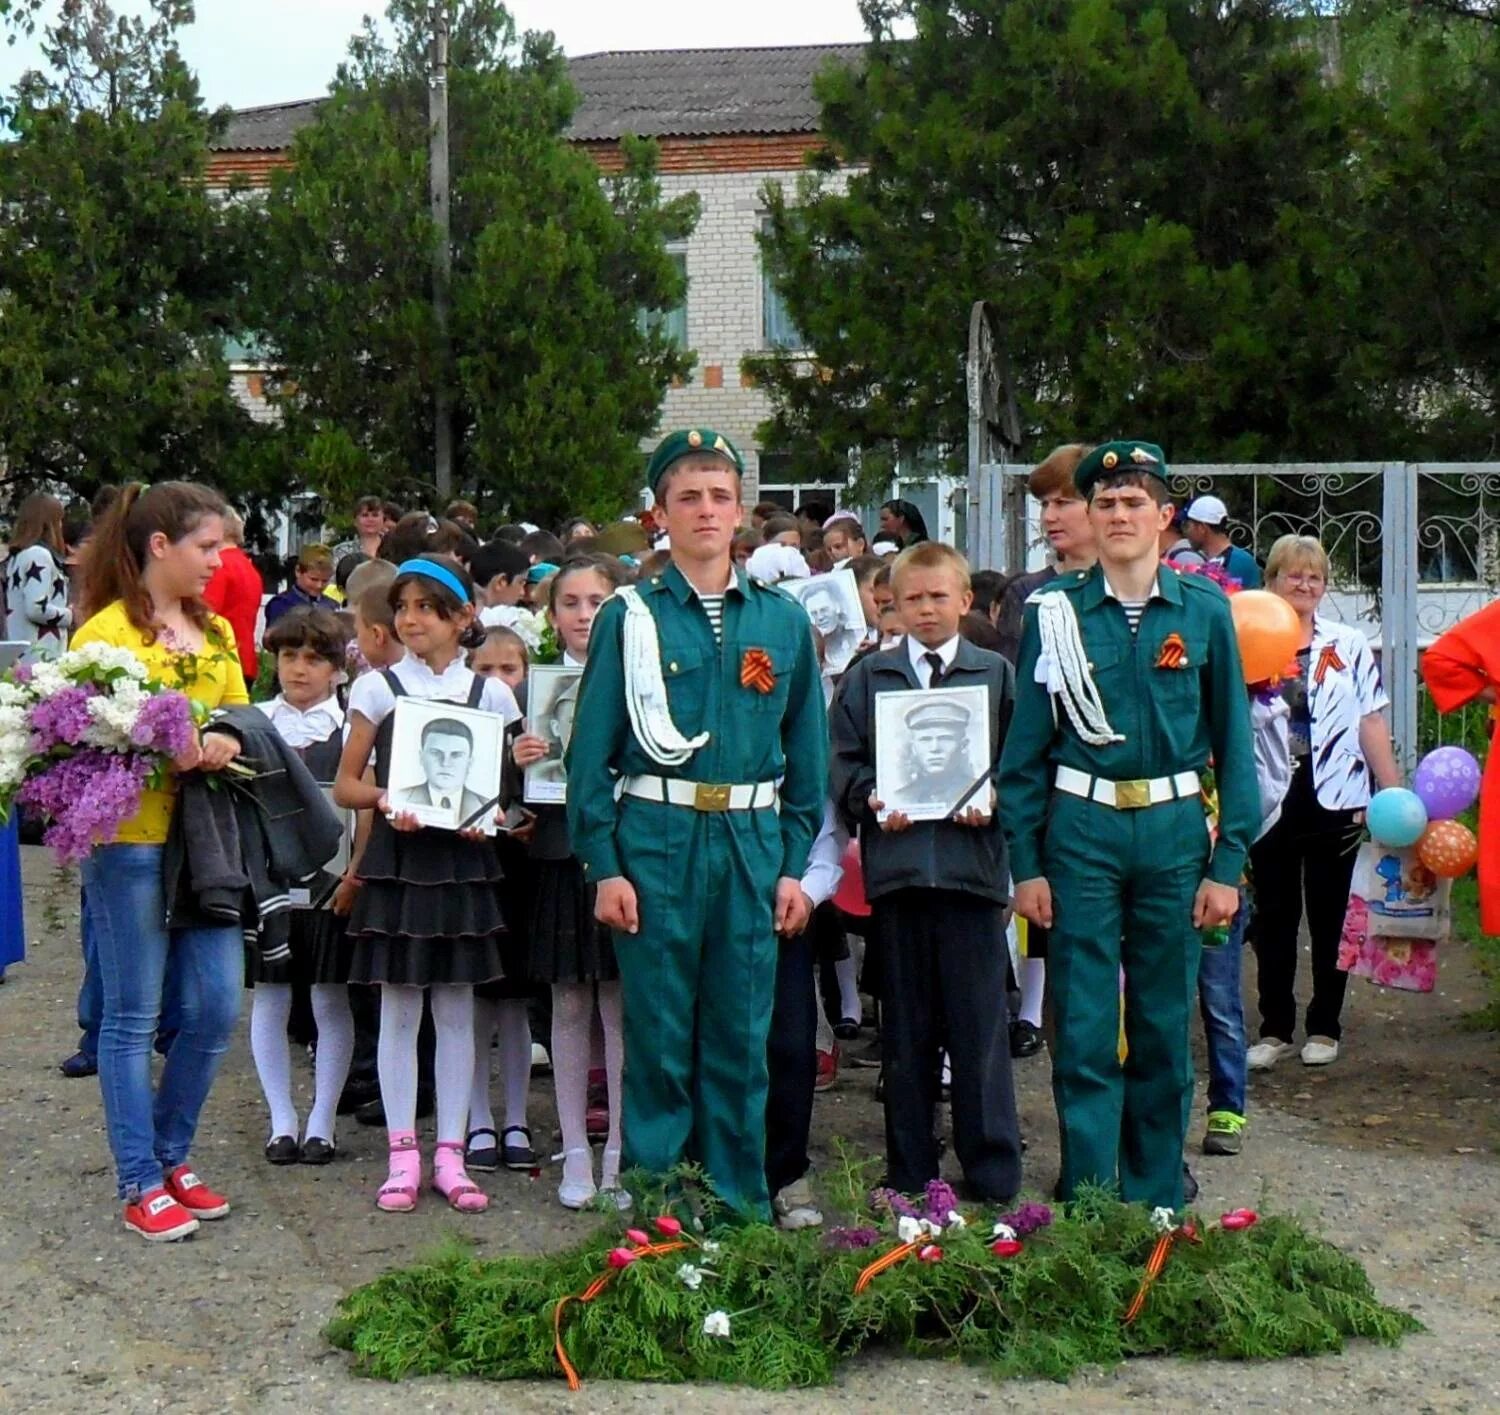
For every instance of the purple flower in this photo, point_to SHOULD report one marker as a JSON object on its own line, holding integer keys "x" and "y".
{"x": 22, "y": 673}
{"x": 938, "y": 1201}
{"x": 850, "y": 1240}
{"x": 86, "y": 798}
{"x": 165, "y": 724}
{"x": 889, "y": 1201}
{"x": 61, "y": 720}
{"x": 1028, "y": 1219}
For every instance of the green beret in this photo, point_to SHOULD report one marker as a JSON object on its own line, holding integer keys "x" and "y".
{"x": 1111, "y": 458}
{"x": 690, "y": 442}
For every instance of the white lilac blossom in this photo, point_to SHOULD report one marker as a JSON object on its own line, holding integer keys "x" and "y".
{"x": 716, "y": 1324}
{"x": 1162, "y": 1220}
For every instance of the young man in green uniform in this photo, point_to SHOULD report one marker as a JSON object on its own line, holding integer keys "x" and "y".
{"x": 1128, "y": 686}
{"x": 697, "y": 776}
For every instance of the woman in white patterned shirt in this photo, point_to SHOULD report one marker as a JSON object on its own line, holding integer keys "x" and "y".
{"x": 1341, "y": 748}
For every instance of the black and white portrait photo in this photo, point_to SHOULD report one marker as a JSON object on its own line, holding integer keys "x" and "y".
{"x": 930, "y": 749}
{"x": 832, "y": 603}
{"x": 552, "y": 703}
{"x": 445, "y": 764}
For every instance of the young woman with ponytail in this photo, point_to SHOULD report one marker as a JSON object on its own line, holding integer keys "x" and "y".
{"x": 144, "y": 574}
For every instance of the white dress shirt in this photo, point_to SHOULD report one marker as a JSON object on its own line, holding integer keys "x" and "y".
{"x": 919, "y": 651}
{"x": 299, "y": 727}
{"x": 825, "y": 861}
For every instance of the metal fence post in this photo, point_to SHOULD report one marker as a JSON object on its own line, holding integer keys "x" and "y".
{"x": 1398, "y": 608}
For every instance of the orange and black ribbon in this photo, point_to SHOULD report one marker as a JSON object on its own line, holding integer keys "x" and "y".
{"x": 1173, "y": 653}
{"x": 587, "y": 1295}
{"x": 1329, "y": 658}
{"x": 884, "y": 1261}
{"x": 757, "y": 671}
{"x": 1154, "y": 1265}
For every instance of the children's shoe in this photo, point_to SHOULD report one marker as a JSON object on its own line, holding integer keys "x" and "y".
{"x": 847, "y": 1029}
{"x": 577, "y": 1192}
{"x": 79, "y": 1065}
{"x": 481, "y": 1152}
{"x": 596, "y": 1123}
{"x": 866, "y": 1056}
{"x": 283, "y": 1149}
{"x": 194, "y": 1195}
{"x": 1025, "y": 1039}
{"x": 795, "y": 1207}
{"x": 1267, "y": 1052}
{"x": 159, "y": 1218}
{"x": 1223, "y": 1136}
{"x": 513, "y": 1155}
{"x": 828, "y": 1069}
{"x": 1320, "y": 1051}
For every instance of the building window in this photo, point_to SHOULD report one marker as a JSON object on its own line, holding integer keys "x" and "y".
{"x": 779, "y": 328}
{"x": 779, "y": 483}
{"x": 672, "y": 322}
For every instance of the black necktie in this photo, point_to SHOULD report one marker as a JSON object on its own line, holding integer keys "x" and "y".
{"x": 934, "y": 662}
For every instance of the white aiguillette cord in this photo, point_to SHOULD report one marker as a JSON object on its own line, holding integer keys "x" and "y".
{"x": 1063, "y": 668}
{"x": 646, "y": 690}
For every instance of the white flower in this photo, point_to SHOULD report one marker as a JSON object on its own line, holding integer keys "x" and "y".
{"x": 909, "y": 1229}
{"x": 1162, "y": 1220}
{"x": 709, "y": 1247}
{"x": 13, "y": 695}
{"x": 690, "y": 1277}
{"x": 716, "y": 1324}
{"x": 1005, "y": 1231}
{"x": 956, "y": 1220}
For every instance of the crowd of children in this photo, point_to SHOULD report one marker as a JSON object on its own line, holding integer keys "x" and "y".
{"x": 496, "y": 938}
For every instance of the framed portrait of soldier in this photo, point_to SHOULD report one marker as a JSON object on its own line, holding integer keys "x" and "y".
{"x": 551, "y": 703}
{"x": 445, "y": 764}
{"x": 932, "y": 751}
{"x": 832, "y": 603}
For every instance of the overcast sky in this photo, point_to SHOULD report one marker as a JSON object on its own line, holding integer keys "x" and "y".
{"x": 270, "y": 51}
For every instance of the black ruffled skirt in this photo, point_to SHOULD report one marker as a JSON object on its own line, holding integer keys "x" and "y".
{"x": 322, "y": 952}
{"x": 429, "y": 911}
{"x": 568, "y": 945}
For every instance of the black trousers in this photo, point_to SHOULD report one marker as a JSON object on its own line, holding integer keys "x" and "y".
{"x": 791, "y": 1054}
{"x": 1307, "y": 857}
{"x": 943, "y": 987}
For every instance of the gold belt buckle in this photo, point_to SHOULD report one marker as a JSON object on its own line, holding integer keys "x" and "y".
{"x": 707, "y": 797}
{"x": 1132, "y": 795}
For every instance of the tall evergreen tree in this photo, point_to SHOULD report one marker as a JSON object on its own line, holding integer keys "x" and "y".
{"x": 555, "y": 376}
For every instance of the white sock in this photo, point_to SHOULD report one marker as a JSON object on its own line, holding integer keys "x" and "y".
{"x": 330, "y": 1006}
{"x": 269, "y": 1014}
{"x": 847, "y": 973}
{"x": 572, "y": 1028}
{"x": 612, "y": 1019}
{"x": 453, "y": 1064}
{"x": 515, "y": 1059}
{"x": 396, "y": 1055}
{"x": 1033, "y": 986}
{"x": 486, "y": 1018}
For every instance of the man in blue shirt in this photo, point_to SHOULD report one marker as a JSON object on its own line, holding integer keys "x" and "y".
{"x": 1205, "y": 525}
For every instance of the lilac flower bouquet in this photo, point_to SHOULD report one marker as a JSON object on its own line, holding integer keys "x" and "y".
{"x": 81, "y": 737}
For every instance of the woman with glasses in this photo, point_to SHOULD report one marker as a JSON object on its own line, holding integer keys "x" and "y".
{"x": 1340, "y": 744}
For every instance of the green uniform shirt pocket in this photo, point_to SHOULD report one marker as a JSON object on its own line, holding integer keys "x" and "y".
{"x": 774, "y": 700}
{"x": 687, "y": 671}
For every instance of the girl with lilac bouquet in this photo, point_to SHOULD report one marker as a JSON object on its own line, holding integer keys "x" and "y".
{"x": 145, "y": 571}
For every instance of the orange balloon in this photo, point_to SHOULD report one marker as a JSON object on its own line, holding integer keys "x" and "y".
{"x": 1448, "y": 849}
{"x": 1269, "y": 634}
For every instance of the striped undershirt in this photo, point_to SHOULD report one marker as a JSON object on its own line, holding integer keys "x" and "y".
{"x": 713, "y": 606}
{"x": 1133, "y": 608}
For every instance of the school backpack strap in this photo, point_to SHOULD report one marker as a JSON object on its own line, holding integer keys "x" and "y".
{"x": 393, "y": 682}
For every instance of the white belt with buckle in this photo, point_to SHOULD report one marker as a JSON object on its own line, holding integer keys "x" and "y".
{"x": 702, "y": 795}
{"x": 1127, "y": 795}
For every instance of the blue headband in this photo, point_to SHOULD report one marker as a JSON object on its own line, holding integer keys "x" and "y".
{"x": 441, "y": 573}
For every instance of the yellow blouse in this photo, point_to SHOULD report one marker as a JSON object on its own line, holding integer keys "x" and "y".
{"x": 213, "y": 678}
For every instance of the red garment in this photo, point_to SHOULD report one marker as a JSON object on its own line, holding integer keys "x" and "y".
{"x": 235, "y": 592}
{"x": 1458, "y": 667}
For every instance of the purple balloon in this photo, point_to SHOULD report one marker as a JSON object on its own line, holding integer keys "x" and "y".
{"x": 1447, "y": 781}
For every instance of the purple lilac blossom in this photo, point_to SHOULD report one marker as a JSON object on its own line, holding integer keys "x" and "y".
{"x": 61, "y": 720}
{"x": 86, "y": 798}
{"x": 1028, "y": 1219}
{"x": 165, "y": 724}
{"x": 938, "y": 1201}
{"x": 889, "y": 1201}
{"x": 850, "y": 1240}
{"x": 22, "y": 673}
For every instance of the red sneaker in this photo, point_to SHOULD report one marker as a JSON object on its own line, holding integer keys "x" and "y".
{"x": 596, "y": 1122}
{"x": 828, "y": 1069}
{"x": 194, "y": 1195}
{"x": 159, "y": 1218}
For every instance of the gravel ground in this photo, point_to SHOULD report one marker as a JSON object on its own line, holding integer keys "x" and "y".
{"x": 1392, "y": 1153}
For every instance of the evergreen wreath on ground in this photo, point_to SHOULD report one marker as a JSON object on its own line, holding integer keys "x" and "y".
{"x": 1037, "y": 1292}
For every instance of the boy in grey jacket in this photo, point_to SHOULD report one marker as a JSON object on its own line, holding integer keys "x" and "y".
{"x": 937, "y": 888}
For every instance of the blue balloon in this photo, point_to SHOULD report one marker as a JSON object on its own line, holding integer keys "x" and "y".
{"x": 1397, "y": 817}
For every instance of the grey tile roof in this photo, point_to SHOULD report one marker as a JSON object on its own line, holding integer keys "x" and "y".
{"x": 648, "y": 92}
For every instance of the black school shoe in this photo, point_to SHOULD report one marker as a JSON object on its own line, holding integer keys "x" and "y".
{"x": 78, "y": 1066}
{"x": 316, "y": 1150}
{"x": 847, "y": 1029}
{"x": 517, "y": 1157}
{"x": 1025, "y": 1040}
{"x": 283, "y": 1149}
{"x": 358, "y": 1091}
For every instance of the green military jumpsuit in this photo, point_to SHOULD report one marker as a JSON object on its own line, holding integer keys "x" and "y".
{"x": 699, "y": 977}
{"x": 1123, "y": 880}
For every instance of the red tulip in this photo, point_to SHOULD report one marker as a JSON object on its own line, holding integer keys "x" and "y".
{"x": 930, "y": 1254}
{"x": 621, "y": 1257}
{"x": 668, "y": 1226}
{"x": 1189, "y": 1231}
{"x": 1006, "y": 1247}
{"x": 1239, "y": 1218}
{"x": 638, "y": 1236}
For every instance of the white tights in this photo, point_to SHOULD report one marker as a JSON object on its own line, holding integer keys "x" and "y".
{"x": 509, "y": 1017}
{"x": 453, "y": 1063}
{"x": 269, "y": 1014}
{"x": 572, "y": 1031}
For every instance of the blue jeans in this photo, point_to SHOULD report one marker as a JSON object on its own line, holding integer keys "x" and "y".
{"x": 91, "y": 995}
{"x": 150, "y": 1135}
{"x": 1221, "y": 1001}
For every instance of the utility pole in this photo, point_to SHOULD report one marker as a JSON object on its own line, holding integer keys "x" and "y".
{"x": 442, "y": 259}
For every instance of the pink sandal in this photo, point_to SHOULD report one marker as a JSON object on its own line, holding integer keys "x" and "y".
{"x": 398, "y": 1195}
{"x": 451, "y": 1179}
